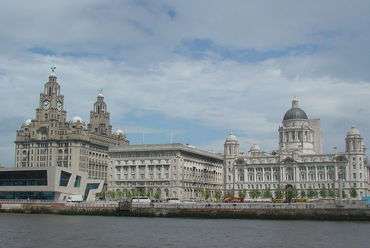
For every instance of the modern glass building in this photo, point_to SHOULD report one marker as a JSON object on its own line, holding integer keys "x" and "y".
{"x": 49, "y": 183}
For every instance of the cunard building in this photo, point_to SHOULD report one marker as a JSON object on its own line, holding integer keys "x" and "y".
{"x": 298, "y": 162}
{"x": 52, "y": 140}
{"x": 166, "y": 170}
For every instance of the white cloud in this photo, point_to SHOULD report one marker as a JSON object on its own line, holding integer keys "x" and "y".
{"x": 129, "y": 49}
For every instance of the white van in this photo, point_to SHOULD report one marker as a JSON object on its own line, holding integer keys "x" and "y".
{"x": 74, "y": 198}
{"x": 173, "y": 200}
{"x": 140, "y": 200}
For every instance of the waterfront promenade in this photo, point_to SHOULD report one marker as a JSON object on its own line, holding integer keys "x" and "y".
{"x": 346, "y": 210}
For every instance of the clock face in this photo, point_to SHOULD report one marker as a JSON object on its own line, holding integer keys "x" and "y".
{"x": 45, "y": 105}
{"x": 59, "y": 106}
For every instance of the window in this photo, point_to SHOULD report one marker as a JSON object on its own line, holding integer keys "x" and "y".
{"x": 354, "y": 175}
{"x": 64, "y": 178}
{"x": 77, "y": 182}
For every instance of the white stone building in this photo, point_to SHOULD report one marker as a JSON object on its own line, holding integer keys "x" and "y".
{"x": 298, "y": 162}
{"x": 51, "y": 140}
{"x": 171, "y": 170}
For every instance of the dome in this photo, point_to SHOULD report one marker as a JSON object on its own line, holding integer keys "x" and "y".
{"x": 231, "y": 138}
{"x": 27, "y": 122}
{"x": 52, "y": 74}
{"x": 100, "y": 95}
{"x": 76, "y": 119}
{"x": 353, "y": 131}
{"x": 295, "y": 113}
{"x": 119, "y": 132}
{"x": 255, "y": 148}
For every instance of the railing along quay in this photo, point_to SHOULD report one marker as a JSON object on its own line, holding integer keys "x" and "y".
{"x": 223, "y": 205}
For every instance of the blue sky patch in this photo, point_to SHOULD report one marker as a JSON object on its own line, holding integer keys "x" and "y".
{"x": 42, "y": 51}
{"x": 203, "y": 48}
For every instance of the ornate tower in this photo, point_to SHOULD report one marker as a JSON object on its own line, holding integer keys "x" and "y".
{"x": 100, "y": 118}
{"x": 354, "y": 141}
{"x": 298, "y": 133}
{"x": 51, "y": 104}
{"x": 231, "y": 152}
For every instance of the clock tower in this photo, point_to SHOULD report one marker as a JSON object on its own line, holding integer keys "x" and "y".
{"x": 99, "y": 117}
{"x": 51, "y": 105}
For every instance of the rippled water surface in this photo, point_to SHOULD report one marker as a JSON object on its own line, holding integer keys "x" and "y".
{"x": 28, "y": 231}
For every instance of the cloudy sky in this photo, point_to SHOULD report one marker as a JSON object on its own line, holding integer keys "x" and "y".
{"x": 196, "y": 69}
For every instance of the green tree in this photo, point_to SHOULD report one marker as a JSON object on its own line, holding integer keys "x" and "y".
{"x": 254, "y": 193}
{"x": 111, "y": 195}
{"x": 267, "y": 193}
{"x": 323, "y": 192}
{"x": 311, "y": 193}
{"x": 218, "y": 194}
{"x": 303, "y": 194}
{"x": 157, "y": 195}
{"x": 119, "y": 194}
{"x": 207, "y": 194}
{"x": 279, "y": 194}
{"x": 128, "y": 193}
{"x": 290, "y": 193}
{"x": 101, "y": 194}
{"x": 242, "y": 193}
{"x": 344, "y": 195}
{"x": 353, "y": 192}
{"x": 141, "y": 192}
{"x": 229, "y": 193}
{"x": 331, "y": 193}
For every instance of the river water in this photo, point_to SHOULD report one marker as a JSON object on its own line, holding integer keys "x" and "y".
{"x": 28, "y": 231}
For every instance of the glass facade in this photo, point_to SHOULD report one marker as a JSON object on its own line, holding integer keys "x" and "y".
{"x": 89, "y": 187}
{"x": 64, "y": 178}
{"x": 77, "y": 182}
{"x": 27, "y": 195}
{"x": 24, "y": 178}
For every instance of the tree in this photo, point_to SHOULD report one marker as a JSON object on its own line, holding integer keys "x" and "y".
{"x": 218, "y": 194}
{"x": 128, "y": 194}
{"x": 111, "y": 195}
{"x": 119, "y": 194}
{"x": 323, "y": 192}
{"x": 141, "y": 192}
{"x": 101, "y": 194}
{"x": 157, "y": 195}
{"x": 279, "y": 194}
{"x": 242, "y": 193}
{"x": 229, "y": 193}
{"x": 353, "y": 192}
{"x": 311, "y": 193}
{"x": 267, "y": 193}
{"x": 207, "y": 194}
{"x": 290, "y": 193}
{"x": 331, "y": 193}
{"x": 344, "y": 195}
{"x": 254, "y": 193}
{"x": 303, "y": 194}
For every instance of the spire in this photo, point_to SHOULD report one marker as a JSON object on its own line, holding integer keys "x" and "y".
{"x": 100, "y": 94}
{"x": 295, "y": 102}
{"x": 52, "y": 74}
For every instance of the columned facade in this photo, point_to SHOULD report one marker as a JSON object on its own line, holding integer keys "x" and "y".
{"x": 298, "y": 162}
{"x": 165, "y": 171}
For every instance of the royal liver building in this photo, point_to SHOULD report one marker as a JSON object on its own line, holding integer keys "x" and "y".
{"x": 51, "y": 140}
{"x": 299, "y": 161}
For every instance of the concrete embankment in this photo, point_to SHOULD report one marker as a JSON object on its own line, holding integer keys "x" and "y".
{"x": 289, "y": 212}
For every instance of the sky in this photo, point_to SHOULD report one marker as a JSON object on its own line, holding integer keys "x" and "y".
{"x": 189, "y": 71}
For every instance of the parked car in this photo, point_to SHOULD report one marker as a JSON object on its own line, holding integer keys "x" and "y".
{"x": 140, "y": 200}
